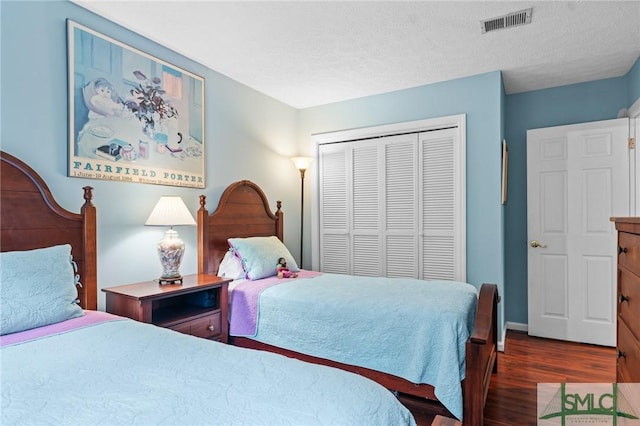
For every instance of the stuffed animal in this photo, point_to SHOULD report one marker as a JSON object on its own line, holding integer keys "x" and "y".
{"x": 282, "y": 271}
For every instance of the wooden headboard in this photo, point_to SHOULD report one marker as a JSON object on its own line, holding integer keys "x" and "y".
{"x": 243, "y": 211}
{"x": 30, "y": 218}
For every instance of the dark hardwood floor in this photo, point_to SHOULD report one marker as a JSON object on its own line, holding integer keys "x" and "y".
{"x": 526, "y": 362}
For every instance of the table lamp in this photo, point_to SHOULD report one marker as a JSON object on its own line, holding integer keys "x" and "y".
{"x": 170, "y": 211}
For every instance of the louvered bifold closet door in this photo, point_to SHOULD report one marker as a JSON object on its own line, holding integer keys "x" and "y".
{"x": 366, "y": 208}
{"x": 438, "y": 210}
{"x": 335, "y": 210}
{"x": 394, "y": 206}
{"x": 401, "y": 206}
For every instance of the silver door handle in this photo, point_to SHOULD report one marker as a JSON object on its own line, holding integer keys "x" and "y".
{"x": 535, "y": 244}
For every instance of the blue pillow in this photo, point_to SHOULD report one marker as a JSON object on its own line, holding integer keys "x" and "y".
{"x": 37, "y": 288}
{"x": 260, "y": 255}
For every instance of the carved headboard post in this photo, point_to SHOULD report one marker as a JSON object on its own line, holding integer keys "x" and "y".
{"x": 88, "y": 276}
{"x": 279, "y": 221}
{"x": 203, "y": 238}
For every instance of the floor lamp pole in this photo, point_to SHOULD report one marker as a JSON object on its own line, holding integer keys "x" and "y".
{"x": 302, "y": 164}
{"x": 301, "y": 212}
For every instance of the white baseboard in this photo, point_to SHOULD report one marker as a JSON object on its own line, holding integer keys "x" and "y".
{"x": 501, "y": 341}
{"x": 517, "y": 326}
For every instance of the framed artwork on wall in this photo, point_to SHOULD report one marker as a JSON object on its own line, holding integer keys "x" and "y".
{"x": 132, "y": 117}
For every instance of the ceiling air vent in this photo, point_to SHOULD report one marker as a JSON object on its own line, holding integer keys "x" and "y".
{"x": 513, "y": 19}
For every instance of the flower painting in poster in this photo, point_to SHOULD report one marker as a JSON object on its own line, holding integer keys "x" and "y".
{"x": 132, "y": 117}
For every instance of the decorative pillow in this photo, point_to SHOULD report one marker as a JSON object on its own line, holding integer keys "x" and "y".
{"x": 231, "y": 267}
{"x": 37, "y": 288}
{"x": 260, "y": 255}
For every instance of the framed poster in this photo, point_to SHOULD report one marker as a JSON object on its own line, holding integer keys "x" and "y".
{"x": 132, "y": 116}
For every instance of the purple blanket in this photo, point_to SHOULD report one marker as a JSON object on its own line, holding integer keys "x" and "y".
{"x": 89, "y": 318}
{"x": 243, "y": 320}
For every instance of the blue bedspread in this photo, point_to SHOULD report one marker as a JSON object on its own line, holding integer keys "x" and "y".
{"x": 128, "y": 373}
{"x": 410, "y": 328}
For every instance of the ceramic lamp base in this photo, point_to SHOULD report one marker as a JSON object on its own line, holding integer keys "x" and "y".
{"x": 170, "y": 281}
{"x": 170, "y": 251}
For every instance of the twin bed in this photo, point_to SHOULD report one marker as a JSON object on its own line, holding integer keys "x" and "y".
{"x": 96, "y": 368}
{"x": 436, "y": 340}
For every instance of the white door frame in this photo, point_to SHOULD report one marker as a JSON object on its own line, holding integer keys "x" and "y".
{"x": 634, "y": 132}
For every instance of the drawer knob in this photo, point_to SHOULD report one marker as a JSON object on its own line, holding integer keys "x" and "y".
{"x": 622, "y": 250}
{"x": 621, "y": 354}
{"x": 211, "y": 327}
{"x": 623, "y": 298}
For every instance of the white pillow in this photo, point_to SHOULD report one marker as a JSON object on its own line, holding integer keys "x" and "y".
{"x": 260, "y": 255}
{"x": 37, "y": 288}
{"x": 231, "y": 267}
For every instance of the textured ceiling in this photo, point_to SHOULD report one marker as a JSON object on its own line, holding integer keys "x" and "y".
{"x": 308, "y": 53}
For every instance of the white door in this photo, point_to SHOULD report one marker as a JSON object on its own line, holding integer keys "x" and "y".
{"x": 577, "y": 178}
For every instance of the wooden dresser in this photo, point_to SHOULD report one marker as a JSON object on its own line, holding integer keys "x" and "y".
{"x": 628, "y": 365}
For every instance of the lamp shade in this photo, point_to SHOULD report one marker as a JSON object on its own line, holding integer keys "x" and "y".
{"x": 170, "y": 211}
{"x": 302, "y": 163}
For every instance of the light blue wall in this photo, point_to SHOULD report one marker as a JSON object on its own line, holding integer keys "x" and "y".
{"x": 598, "y": 100}
{"x": 251, "y": 136}
{"x": 248, "y": 136}
{"x": 633, "y": 82}
{"x": 481, "y": 99}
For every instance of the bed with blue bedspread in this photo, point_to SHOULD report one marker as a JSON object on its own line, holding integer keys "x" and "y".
{"x": 430, "y": 339}
{"x": 408, "y": 328}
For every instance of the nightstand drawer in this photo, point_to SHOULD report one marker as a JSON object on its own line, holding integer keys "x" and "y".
{"x": 207, "y": 326}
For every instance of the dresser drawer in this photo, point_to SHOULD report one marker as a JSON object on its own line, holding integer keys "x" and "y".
{"x": 206, "y": 326}
{"x": 629, "y": 300}
{"x": 629, "y": 364}
{"x": 630, "y": 255}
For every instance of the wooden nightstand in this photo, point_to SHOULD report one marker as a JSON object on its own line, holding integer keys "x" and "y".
{"x": 198, "y": 306}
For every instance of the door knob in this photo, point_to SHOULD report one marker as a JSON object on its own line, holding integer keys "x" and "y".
{"x": 535, "y": 243}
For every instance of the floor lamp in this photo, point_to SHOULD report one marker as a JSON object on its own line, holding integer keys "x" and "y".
{"x": 302, "y": 164}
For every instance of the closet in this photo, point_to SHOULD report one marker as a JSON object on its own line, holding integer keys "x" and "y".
{"x": 394, "y": 205}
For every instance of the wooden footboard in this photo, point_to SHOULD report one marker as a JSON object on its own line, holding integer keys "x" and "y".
{"x": 481, "y": 356}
